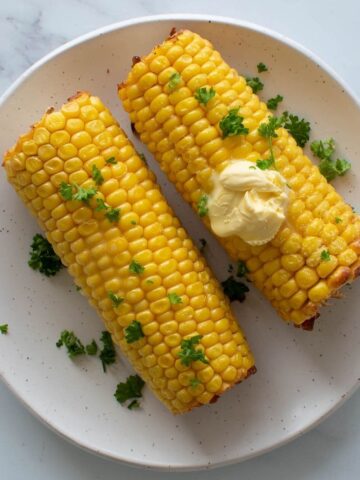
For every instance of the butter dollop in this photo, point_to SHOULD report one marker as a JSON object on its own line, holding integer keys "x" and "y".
{"x": 248, "y": 202}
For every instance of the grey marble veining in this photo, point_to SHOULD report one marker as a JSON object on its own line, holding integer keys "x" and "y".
{"x": 30, "y": 29}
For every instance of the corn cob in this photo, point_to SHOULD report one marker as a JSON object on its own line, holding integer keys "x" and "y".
{"x": 64, "y": 147}
{"x": 186, "y": 140}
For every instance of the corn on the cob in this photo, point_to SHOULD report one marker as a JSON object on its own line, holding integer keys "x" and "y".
{"x": 186, "y": 140}
{"x": 64, "y": 147}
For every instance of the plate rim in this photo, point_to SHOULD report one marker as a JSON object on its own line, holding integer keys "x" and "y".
{"x": 284, "y": 39}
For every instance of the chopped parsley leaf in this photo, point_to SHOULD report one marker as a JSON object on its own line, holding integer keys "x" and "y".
{"x": 66, "y": 191}
{"x": 75, "y": 192}
{"x": 261, "y": 67}
{"x": 338, "y": 220}
{"x": 136, "y": 268}
{"x": 78, "y": 289}
{"x": 174, "y": 298}
{"x": 273, "y": 103}
{"x": 299, "y": 128}
{"x": 189, "y": 353}
{"x": 203, "y": 244}
{"x": 202, "y": 205}
{"x": 108, "y": 352}
{"x": 133, "y": 222}
{"x": 116, "y": 299}
{"x": 232, "y": 124}
{"x": 325, "y": 256}
{"x": 43, "y": 258}
{"x": 97, "y": 176}
{"x": 174, "y": 80}
{"x": 242, "y": 269}
{"x": 234, "y": 289}
{"x": 72, "y": 343}
{"x": 149, "y": 281}
{"x": 129, "y": 390}
{"x": 265, "y": 164}
{"x": 194, "y": 382}
{"x": 204, "y": 95}
{"x": 328, "y": 167}
{"x": 255, "y": 83}
{"x": 111, "y": 160}
{"x": 91, "y": 348}
{"x": 133, "y": 404}
{"x": 133, "y": 332}
{"x": 142, "y": 156}
{"x": 113, "y": 214}
{"x": 101, "y": 205}
{"x": 4, "y": 329}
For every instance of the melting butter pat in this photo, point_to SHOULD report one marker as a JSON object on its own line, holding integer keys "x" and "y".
{"x": 248, "y": 202}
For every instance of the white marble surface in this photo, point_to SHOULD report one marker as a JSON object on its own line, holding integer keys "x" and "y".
{"x": 30, "y": 29}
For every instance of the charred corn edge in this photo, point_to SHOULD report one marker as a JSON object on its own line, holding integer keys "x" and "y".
{"x": 346, "y": 274}
{"x": 241, "y": 372}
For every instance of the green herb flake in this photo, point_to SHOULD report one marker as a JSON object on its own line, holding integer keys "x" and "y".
{"x": 66, "y": 191}
{"x": 136, "y": 267}
{"x": 174, "y": 80}
{"x": 329, "y": 168}
{"x": 189, "y": 353}
{"x": 232, "y": 124}
{"x": 174, "y": 299}
{"x": 133, "y": 404}
{"x": 72, "y": 343}
{"x": 91, "y": 348}
{"x": 129, "y": 390}
{"x": 325, "y": 256}
{"x": 4, "y": 329}
{"x": 142, "y": 156}
{"x": 268, "y": 131}
{"x": 84, "y": 194}
{"x": 234, "y": 289}
{"x": 299, "y": 128}
{"x": 43, "y": 258}
{"x": 133, "y": 332}
{"x": 273, "y": 103}
{"x": 338, "y": 220}
{"x": 78, "y": 289}
{"x": 242, "y": 269}
{"x": 202, "y": 205}
{"x": 261, "y": 67}
{"x": 203, "y": 244}
{"x": 194, "y": 382}
{"x": 149, "y": 281}
{"x": 108, "y": 352}
{"x": 265, "y": 164}
{"x": 113, "y": 214}
{"x": 111, "y": 161}
{"x": 97, "y": 176}
{"x": 252, "y": 167}
{"x": 204, "y": 95}
{"x": 101, "y": 205}
{"x": 133, "y": 222}
{"x": 255, "y": 83}
{"x": 116, "y": 299}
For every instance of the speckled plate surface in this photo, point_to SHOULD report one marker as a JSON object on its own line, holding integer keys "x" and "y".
{"x": 301, "y": 376}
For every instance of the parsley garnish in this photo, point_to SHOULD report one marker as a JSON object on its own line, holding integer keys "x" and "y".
{"x": 142, "y": 156}
{"x": 261, "y": 67}
{"x": 108, "y": 352}
{"x": 204, "y": 95}
{"x": 133, "y": 222}
{"x": 234, "y": 289}
{"x": 91, "y": 348}
{"x": 338, "y": 220}
{"x": 232, "y": 124}
{"x": 242, "y": 269}
{"x": 325, "y": 256}
{"x": 116, "y": 299}
{"x": 202, "y": 205}
{"x": 129, "y": 390}
{"x": 174, "y": 298}
{"x": 136, "y": 268}
{"x": 43, "y": 258}
{"x": 74, "y": 192}
{"x": 299, "y": 128}
{"x": 133, "y": 404}
{"x": 111, "y": 160}
{"x": 71, "y": 342}
{"x": 4, "y": 329}
{"x": 96, "y": 174}
{"x": 329, "y": 167}
{"x": 265, "y": 164}
{"x": 133, "y": 332}
{"x": 255, "y": 83}
{"x": 174, "y": 80}
{"x": 273, "y": 103}
{"x": 189, "y": 354}
{"x": 203, "y": 244}
{"x": 149, "y": 281}
{"x": 112, "y": 214}
{"x": 194, "y": 382}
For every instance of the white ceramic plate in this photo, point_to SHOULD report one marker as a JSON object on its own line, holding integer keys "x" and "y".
{"x": 301, "y": 376}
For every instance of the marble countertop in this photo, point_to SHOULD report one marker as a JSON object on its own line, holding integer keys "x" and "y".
{"x": 31, "y": 28}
